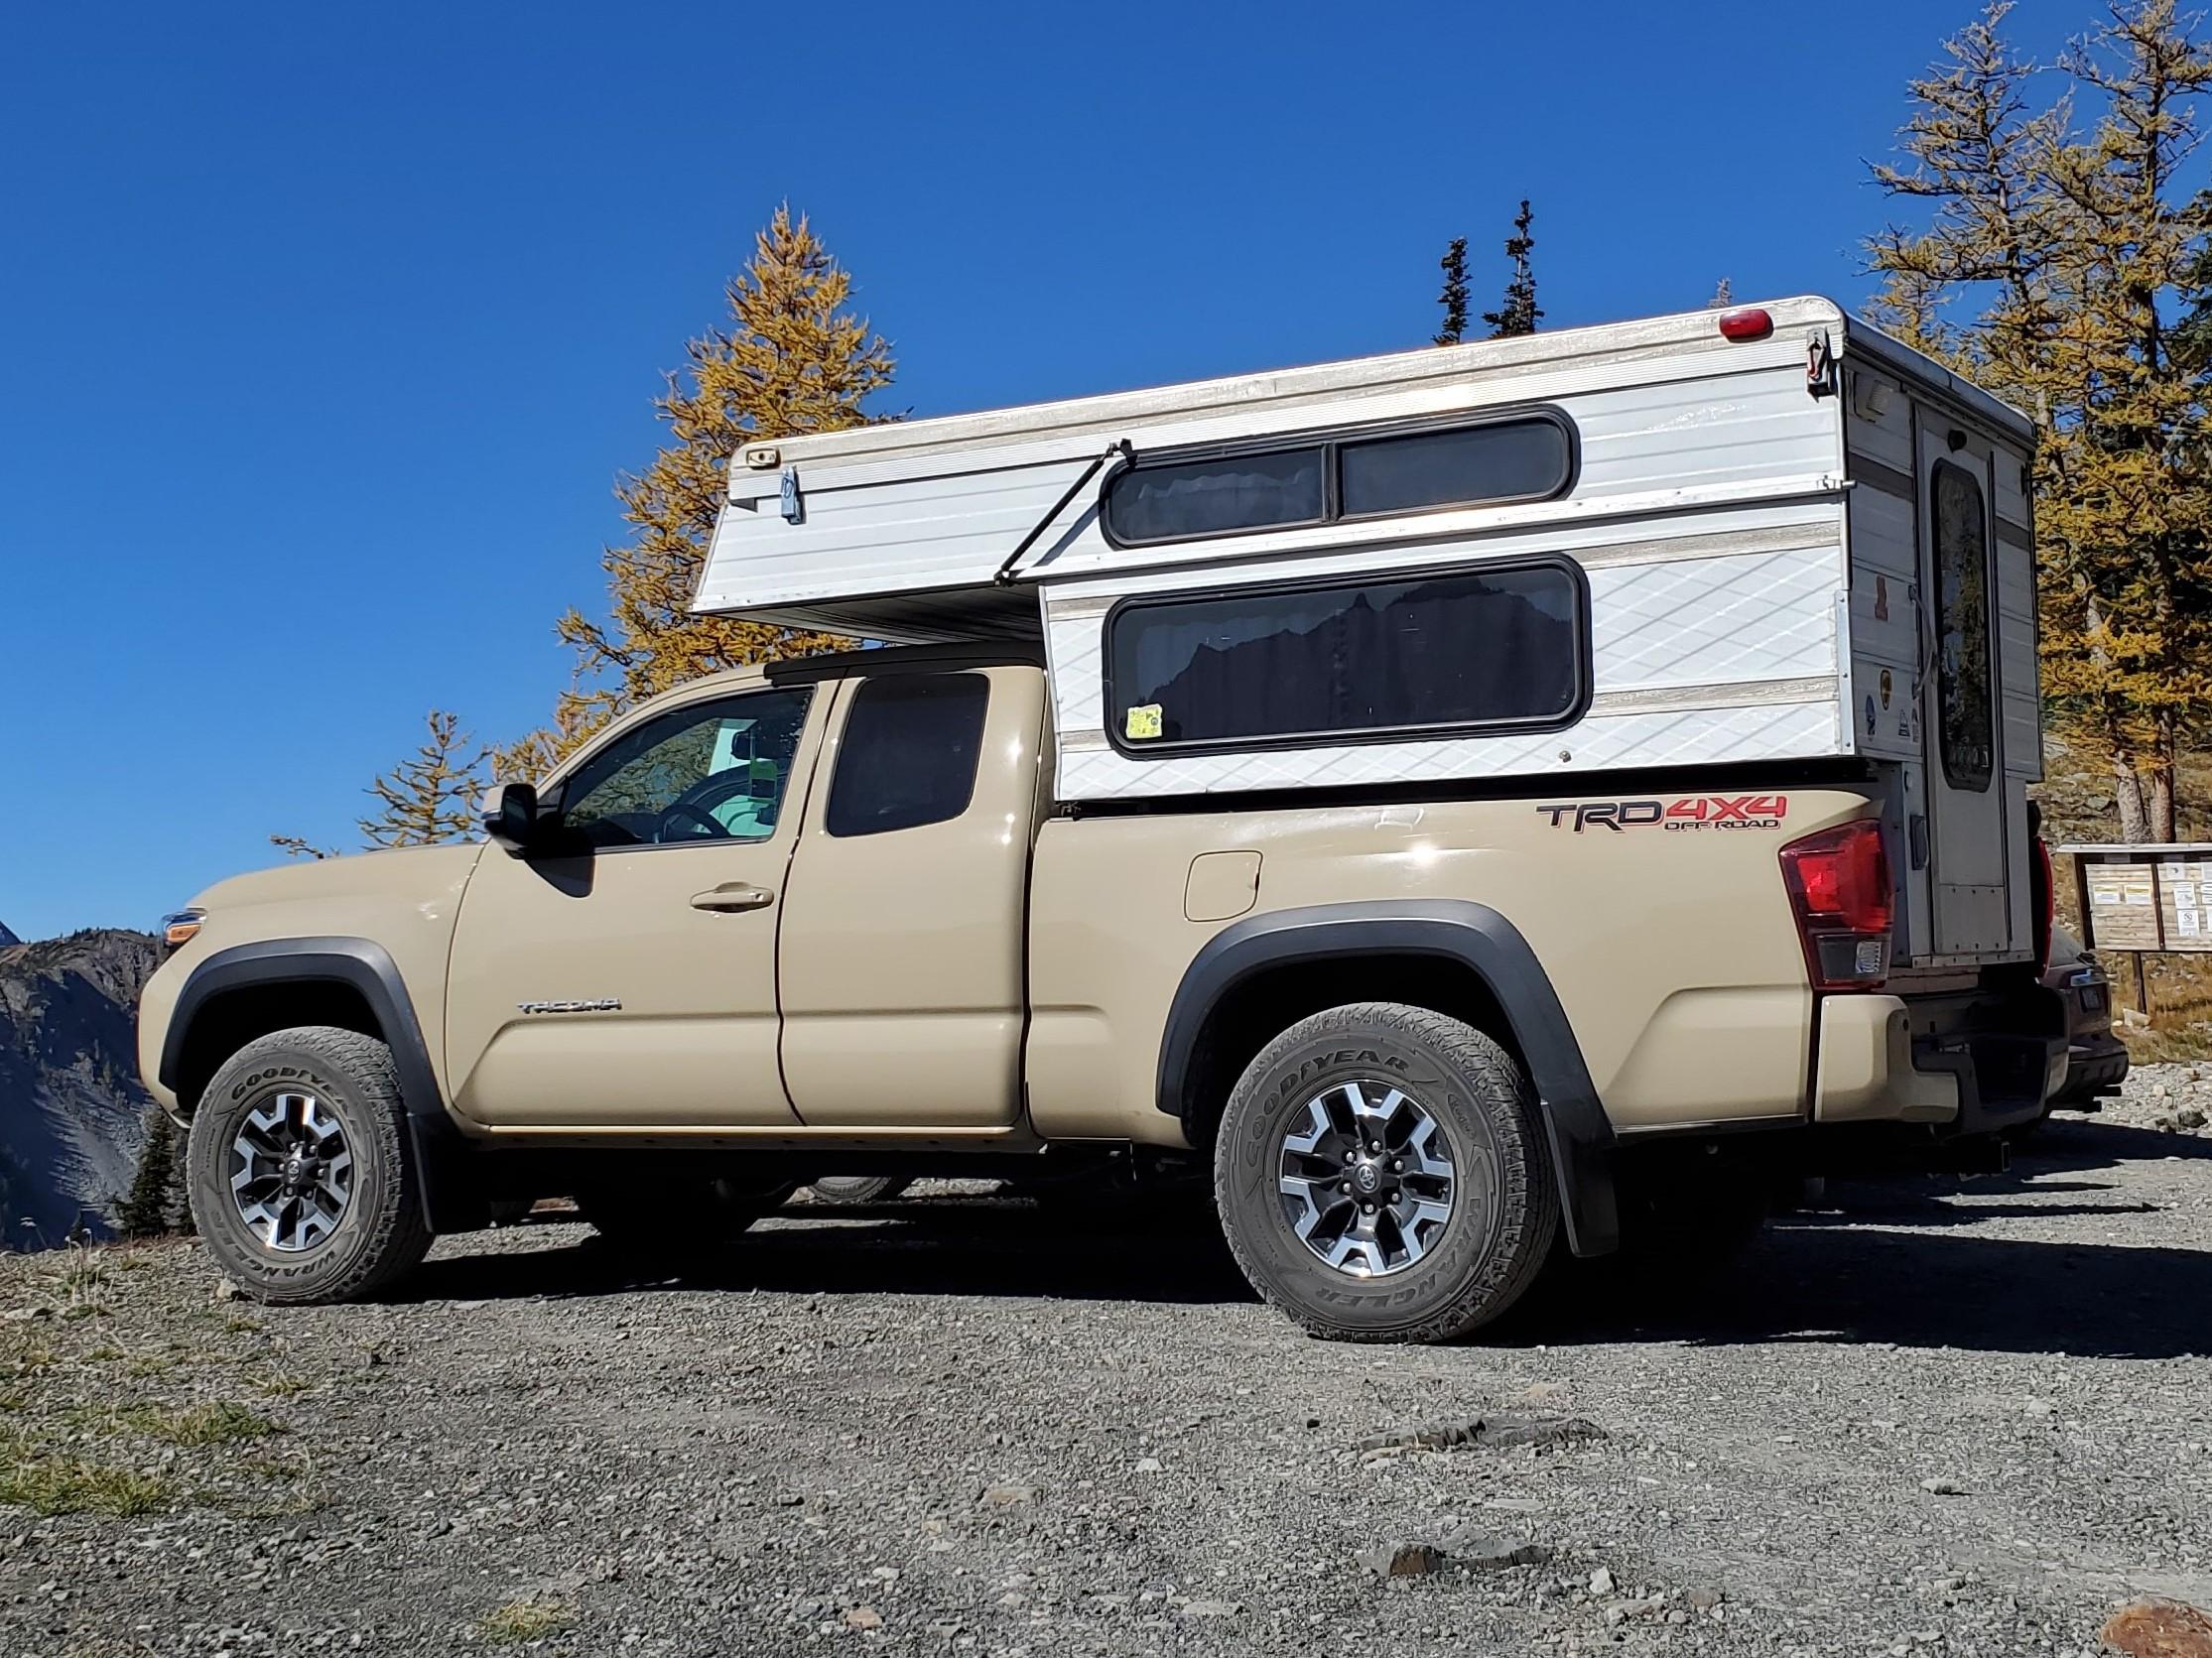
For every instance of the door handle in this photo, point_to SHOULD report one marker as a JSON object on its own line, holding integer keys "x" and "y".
{"x": 732, "y": 896}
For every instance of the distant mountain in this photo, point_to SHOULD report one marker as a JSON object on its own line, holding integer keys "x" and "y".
{"x": 73, "y": 1113}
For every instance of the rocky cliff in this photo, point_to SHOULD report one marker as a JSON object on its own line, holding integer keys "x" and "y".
{"x": 72, "y": 1115}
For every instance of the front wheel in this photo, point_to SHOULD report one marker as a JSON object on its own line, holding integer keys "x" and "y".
{"x": 302, "y": 1181}
{"x": 1382, "y": 1176}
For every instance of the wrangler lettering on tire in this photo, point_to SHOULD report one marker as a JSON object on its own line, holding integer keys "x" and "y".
{"x": 1381, "y": 1175}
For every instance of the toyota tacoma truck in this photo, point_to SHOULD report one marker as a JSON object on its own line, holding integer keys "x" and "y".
{"x": 1473, "y": 803}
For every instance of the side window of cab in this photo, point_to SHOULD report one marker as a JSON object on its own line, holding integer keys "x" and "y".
{"x": 713, "y": 771}
{"x": 909, "y": 753}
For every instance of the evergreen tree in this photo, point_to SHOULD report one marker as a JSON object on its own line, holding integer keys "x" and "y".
{"x": 1519, "y": 314}
{"x": 792, "y": 359}
{"x": 432, "y": 797}
{"x": 147, "y": 1210}
{"x": 2068, "y": 253}
{"x": 1454, "y": 296}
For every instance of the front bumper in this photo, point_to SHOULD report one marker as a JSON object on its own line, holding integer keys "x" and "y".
{"x": 1968, "y": 1063}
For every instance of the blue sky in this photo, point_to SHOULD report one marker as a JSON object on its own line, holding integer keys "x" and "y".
{"x": 327, "y": 328}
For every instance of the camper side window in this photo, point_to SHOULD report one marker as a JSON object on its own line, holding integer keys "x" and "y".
{"x": 1501, "y": 648}
{"x": 1962, "y": 562}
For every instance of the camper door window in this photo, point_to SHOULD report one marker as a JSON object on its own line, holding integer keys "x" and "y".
{"x": 1962, "y": 562}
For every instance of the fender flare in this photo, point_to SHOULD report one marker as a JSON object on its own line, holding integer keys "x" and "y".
{"x": 1473, "y": 935}
{"x": 365, "y": 967}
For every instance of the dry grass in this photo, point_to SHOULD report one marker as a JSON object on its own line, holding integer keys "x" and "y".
{"x": 50, "y": 1483}
{"x": 212, "y": 1422}
{"x": 102, "y": 1412}
{"x": 527, "y": 1619}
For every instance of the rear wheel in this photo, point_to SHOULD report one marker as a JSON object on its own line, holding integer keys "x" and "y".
{"x": 302, "y": 1179}
{"x": 1382, "y": 1176}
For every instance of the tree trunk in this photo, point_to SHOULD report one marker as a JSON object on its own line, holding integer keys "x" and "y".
{"x": 2128, "y": 796}
{"x": 2158, "y": 777}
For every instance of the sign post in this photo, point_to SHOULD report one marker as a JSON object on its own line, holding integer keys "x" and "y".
{"x": 2139, "y": 899}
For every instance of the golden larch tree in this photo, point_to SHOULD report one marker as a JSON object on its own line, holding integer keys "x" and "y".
{"x": 431, "y": 797}
{"x": 2068, "y": 255}
{"x": 793, "y": 359}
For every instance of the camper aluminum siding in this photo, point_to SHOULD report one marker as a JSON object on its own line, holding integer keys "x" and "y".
{"x": 1707, "y": 512}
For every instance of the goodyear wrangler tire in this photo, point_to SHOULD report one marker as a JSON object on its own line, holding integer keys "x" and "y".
{"x": 301, "y": 1178}
{"x": 1382, "y": 1176}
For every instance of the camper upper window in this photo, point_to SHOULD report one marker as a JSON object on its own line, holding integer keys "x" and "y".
{"x": 1502, "y": 647}
{"x": 1217, "y": 497}
{"x": 1504, "y": 460}
{"x": 1527, "y": 457}
{"x": 1962, "y": 559}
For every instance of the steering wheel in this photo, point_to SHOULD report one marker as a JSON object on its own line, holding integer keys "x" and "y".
{"x": 687, "y": 811}
{"x": 696, "y": 804}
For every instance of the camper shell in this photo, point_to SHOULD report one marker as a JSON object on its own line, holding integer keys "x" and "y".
{"x": 1769, "y": 542}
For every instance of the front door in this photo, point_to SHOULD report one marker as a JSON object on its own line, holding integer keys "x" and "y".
{"x": 626, "y": 978}
{"x": 1962, "y": 752}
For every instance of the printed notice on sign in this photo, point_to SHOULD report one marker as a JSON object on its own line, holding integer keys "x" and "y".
{"x": 2186, "y": 904}
{"x": 2124, "y": 909}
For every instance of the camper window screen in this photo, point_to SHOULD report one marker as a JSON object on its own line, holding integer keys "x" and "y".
{"x": 1350, "y": 661}
{"x": 1962, "y": 562}
{"x": 1503, "y": 461}
{"x": 1216, "y": 497}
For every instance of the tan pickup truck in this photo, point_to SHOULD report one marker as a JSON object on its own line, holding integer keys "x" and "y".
{"x": 1249, "y": 878}
{"x": 779, "y": 920}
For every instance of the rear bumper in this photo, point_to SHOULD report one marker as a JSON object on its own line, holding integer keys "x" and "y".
{"x": 1966, "y": 1064}
{"x": 2095, "y": 1064}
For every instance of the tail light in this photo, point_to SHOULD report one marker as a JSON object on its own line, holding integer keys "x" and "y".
{"x": 2042, "y": 889}
{"x": 2046, "y": 902}
{"x": 1839, "y": 886}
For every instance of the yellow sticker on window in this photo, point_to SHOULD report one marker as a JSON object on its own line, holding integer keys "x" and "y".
{"x": 1142, "y": 721}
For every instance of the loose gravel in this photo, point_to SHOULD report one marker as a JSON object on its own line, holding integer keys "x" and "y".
{"x": 1934, "y": 1415}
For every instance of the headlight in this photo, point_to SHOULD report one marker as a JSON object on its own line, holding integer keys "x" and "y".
{"x": 181, "y": 927}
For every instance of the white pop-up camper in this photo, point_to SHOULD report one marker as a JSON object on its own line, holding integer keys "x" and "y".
{"x": 1763, "y": 535}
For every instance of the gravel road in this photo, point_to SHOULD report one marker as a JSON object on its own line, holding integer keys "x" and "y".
{"x": 1937, "y": 1416}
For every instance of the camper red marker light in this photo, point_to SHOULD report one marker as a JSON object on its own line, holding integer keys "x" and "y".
{"x": 1748, "y": 323}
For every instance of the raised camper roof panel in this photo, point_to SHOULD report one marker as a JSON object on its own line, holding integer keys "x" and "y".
{"x": 849, "y": 528}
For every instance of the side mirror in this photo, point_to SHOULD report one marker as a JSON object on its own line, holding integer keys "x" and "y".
{"x": 510, "y": 815}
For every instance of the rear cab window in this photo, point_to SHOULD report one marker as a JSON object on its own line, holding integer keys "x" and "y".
{"x": 909, "y": 753}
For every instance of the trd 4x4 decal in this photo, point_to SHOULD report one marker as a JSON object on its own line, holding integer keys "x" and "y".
{"x": 1691, "y": 812}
